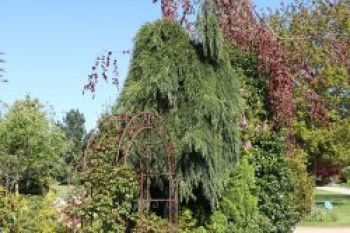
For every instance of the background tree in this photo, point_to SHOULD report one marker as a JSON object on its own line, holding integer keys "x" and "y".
{"x": 31, "y": 141}
{"x": 316, "y": 37}
{"x": 74, "y": 126}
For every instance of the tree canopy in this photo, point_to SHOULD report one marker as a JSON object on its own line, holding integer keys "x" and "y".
{"x": 316, "y": 40}
{"x": 30, "y": 146}
{"x": 74, "y": 127}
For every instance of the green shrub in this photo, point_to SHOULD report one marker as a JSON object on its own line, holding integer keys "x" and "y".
{"x": 189, "y": 224}
{"x": 240, "y": 203}
{"x": 155, "y": 224}
{"x": 277, "y": 187}
{"x": 11, "y": 207}
{"x": 110, "y": 209}
{"x": 19, "y": 213}
{"x": 41, "y": 216}
{"x": 274, "y": 179}
{"x": 218, "y": 223}
{"x": 346, "y": 173}
{"x": 303, "y": 194}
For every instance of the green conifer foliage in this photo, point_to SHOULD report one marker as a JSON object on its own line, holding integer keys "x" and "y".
{"x": 240, "y": 202}
{"x": 197, "y": 97}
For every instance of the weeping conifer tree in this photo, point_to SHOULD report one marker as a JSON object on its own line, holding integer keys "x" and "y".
{"x": 192, "y": 86}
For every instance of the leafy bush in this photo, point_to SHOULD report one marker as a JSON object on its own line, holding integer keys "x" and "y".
{"x": 240, "y": 204}
{"x": 346, "y": 173}
{"x": 19, "y": 213}
{"x": 303, "y": 191}
{"x": 218, "y": 223}
{"x": 274, "y": 179}
{"x": 110, "y": 209}
{"x": 267, "y": 192}
{"x": 284, "y": 189}
{"x": 189, "y": 224}
{"x": 155, "y": 224}
{"x": 41, "y": 216}
{"x": 11, "y": 207}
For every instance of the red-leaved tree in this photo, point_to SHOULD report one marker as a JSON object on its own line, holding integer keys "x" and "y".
{"x": 244, "y": 28}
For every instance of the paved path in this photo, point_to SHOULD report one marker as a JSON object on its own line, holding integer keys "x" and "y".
{"x": 321, "y": 230}
{"x": 339, "y": 190}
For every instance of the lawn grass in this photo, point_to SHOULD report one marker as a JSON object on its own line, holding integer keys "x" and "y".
{"x": 341, "y": 209}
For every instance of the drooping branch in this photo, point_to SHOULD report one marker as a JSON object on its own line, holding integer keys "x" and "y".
{"x": 178, "y": 10}
{"x": 104, "y": 66}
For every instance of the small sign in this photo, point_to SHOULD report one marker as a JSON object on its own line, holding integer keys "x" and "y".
{"x": 328, "y": 205}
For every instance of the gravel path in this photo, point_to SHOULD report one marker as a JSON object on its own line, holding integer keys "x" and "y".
{"x": 321, "y": 230}
{"x": 339, "y": 190}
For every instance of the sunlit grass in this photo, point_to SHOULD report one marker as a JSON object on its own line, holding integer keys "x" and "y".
{"x": 341, "y": 209}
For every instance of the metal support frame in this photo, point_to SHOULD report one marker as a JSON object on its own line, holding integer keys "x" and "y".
{"x": 118, "y": 133}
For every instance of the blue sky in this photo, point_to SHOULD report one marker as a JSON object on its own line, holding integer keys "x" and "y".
{"x": 50, "y": 46}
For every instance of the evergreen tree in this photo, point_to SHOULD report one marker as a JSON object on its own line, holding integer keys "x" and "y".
{"x": 196, "y": 92}
{"x": 74, "y": 126}
{"x": 316, "y": 40}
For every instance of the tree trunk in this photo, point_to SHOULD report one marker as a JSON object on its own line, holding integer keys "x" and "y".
{"x": 16, "y": 185}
